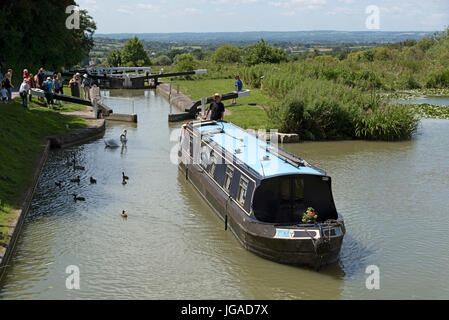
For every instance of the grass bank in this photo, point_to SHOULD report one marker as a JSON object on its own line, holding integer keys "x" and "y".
{"x": 22, "y": 135}
{"x": 249, "y": 112}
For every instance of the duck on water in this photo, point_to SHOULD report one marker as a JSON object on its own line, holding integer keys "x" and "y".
{"x": 263, "y": 194}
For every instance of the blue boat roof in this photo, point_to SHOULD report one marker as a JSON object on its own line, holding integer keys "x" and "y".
{"x": 252, "y": 151}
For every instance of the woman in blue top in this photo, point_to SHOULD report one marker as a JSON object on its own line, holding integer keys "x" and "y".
{"x": 47, "y": 86}
{"x": 238, "y": 87}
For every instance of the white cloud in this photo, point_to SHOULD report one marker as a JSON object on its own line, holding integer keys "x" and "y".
{"x": 125, "y": 10}
{"x": 299, "y": 5}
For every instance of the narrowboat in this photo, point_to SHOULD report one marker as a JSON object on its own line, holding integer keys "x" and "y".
{"x": 278, "y": 205}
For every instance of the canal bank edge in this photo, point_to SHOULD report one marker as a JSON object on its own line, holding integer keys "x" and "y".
{"x": 183, "y": 103}
{"x": 95, "y": 129}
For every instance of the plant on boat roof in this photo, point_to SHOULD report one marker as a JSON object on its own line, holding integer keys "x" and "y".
{"x": 309, "y": 215}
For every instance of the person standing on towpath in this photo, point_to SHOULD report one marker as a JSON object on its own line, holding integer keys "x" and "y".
{"x": 23, "y": 91}
{"x": 238, "y": 87}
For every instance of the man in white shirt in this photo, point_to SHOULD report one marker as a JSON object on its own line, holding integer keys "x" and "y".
{"x": 23, "y": 91}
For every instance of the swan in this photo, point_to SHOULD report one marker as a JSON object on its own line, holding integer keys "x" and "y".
{"x": 123, "y": 138}
{"x": 112, "y": 143}
{"x": 76, "y": 198}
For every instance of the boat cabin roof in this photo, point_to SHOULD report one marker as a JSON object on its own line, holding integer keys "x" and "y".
{"x": 256, "y": 153}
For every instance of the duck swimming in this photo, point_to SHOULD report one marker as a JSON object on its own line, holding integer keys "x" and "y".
{"x": 123, "y": 214}
{"x": 125, "y": 177}
{"x": 76, "y": 198}
{"x": 77, "y": 180}
{"x": 92, "y": 180}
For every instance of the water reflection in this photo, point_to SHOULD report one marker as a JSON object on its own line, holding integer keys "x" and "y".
{"x": 435, "y": 100}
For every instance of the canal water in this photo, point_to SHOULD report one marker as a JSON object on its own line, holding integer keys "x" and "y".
{"x": 434, "y": 100}
{"x": 394, "y": 197}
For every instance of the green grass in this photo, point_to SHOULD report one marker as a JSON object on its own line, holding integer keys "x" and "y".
{"x": 247, "y": 113}
{"x": 65, "y": 106}
{"x": 22, "y": 135}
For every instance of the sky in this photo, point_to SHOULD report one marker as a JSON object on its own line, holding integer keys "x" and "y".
{"x": 167, "y": 16}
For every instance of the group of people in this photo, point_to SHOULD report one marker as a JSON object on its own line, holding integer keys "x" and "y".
{"x": 216, "y": 108}
{"x": 49, "y": 84}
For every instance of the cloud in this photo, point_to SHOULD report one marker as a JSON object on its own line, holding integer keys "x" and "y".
{"x": 90, "y": 5}
{"x": 296, "y": 6}
{"x": 125, "y": 10}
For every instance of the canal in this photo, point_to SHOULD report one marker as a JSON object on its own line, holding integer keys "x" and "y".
{"x": 393, "y": 196}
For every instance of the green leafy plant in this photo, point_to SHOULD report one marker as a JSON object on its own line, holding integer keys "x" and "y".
{"x": 309, "y": 216}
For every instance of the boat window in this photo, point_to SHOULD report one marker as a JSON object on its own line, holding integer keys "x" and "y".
{"x": 299, "y": 189}
{"x": 228, "y": 178}
{"x": 285, "y": 189}
{"x": 243, "y": 189}
{"x": 204, "y": 160}
{"x": 213, "y": 165}
{"x": 191, "y": 145}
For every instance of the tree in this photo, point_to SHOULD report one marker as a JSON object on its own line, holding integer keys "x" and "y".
{"x": 162, "y": 61}
{"x": 114, "y": 58}
{"x": 134, "y": 53}
{"x": 175, "y": 52}
{"x": 185, "y": 62}
{"x": 227, "y": 54}
{"x": 262, "y": 52}
{"x": 24, "y": 47}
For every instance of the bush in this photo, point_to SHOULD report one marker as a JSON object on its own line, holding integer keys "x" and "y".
{"x": 312, "y": 115}
{"x": 387, "y": 123}
{"x": 162, "y": 61}
{"x": 226, "y": 54}
{"x": 262, "y": 52}
{"x": 318, "y": 110}
{"x": 438, "y": 79}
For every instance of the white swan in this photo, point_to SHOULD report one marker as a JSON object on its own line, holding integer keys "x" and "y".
{"x": 123, "y": 138}
{"x": 112, "y": 143}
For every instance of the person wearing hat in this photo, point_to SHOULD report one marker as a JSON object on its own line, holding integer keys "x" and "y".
{"x": 23, "y": 92}
{"x": 216, "y": 109}
{"x": 74, "y": 85}
{"x": 86, "y": 85}
{"x": 47, "y": 86}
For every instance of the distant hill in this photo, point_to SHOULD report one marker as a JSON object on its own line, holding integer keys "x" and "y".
{"x": 273, "y": 36}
